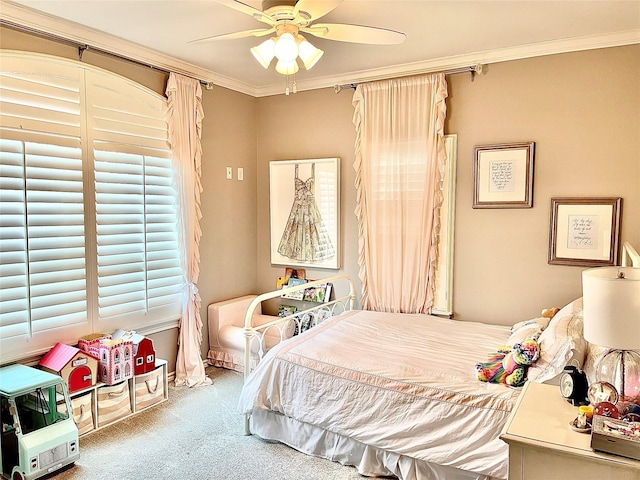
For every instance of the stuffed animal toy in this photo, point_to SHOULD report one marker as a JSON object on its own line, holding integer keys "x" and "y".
{"x": 509, "y": 365}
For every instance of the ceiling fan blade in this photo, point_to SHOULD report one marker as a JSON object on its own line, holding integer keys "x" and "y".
{"x": 315, "y": 9}
{"x": 249, "y": 10}
{"x": 232, "y": 36}
{"x": 343, "y": 32}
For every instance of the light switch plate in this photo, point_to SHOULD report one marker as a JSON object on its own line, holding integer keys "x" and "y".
{"x": 229, "y": 173}
{"x": 240, "y": 173}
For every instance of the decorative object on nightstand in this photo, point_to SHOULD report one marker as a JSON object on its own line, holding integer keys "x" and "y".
{"x": 616, "y": 436}
{"x": 574, "y": 385}
{"x": 602, "y": 392}
{"x": 611, "y": 297}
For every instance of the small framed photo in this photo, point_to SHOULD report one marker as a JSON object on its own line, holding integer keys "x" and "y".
{"x": 585, "y": 231}
{"x": 503, "y": 175}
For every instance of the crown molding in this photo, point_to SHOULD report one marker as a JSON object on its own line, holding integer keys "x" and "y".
{"x": 451, "y": 63}
{"x": 42, "y": 23}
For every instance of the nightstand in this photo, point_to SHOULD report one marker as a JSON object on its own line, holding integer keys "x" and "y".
{"x": 542, "y": 445}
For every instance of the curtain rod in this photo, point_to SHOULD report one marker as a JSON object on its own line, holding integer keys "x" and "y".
{"x": 473, "y": 69}
{"x": 84, "y": 47}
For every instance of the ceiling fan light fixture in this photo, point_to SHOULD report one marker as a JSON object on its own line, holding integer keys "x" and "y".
{"x": 308, "y": 53}
{"x": 287, "y": 68}
{"x": 286, "y": 48}
{"x": 264, "y": 52}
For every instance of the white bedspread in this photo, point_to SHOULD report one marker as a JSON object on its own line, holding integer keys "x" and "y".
{"x": 401, "y": 383}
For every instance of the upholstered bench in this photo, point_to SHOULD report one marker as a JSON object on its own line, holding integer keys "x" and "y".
{"x": 226, "y": 336}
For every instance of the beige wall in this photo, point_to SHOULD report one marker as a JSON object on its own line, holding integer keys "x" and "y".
{"x": 314, "y": 124}
{"x": 582, "y": 110}
{"x": 229, "y": 221}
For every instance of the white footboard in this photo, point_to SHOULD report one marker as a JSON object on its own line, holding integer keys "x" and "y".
{"x": 256, "y": 334}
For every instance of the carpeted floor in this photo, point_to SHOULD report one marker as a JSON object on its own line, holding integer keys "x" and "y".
{"x": 196, "y": 434}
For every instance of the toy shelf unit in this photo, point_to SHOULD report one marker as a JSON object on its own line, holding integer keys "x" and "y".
{"x": 102, "y": 404}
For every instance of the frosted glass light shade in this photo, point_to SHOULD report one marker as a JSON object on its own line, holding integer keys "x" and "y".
{"x": 611, "y": 307}
{"x": 286, "y": 48}
{"x": 264, "y": 52}
{"x": 308, "y": 53}
{"x": 287, "y": 68}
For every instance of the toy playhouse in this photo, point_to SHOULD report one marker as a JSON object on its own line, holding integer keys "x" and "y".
{"x": 143, "y": 351}
{"x": 78, "y": 368}
{"x": 115, "y": 357}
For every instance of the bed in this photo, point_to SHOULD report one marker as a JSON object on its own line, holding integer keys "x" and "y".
{"x": 394, "y": 394}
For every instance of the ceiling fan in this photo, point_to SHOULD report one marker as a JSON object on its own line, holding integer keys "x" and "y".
{"x": 287, "y": 19}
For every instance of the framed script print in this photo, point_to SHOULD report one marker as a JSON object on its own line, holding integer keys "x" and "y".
{"x": 503, "y": 175}
{"x": 304, "y": 200}
{"x": 585, "y": 231}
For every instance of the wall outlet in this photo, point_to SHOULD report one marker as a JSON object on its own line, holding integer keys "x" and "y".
{"x": 240, "y": 173}
{"x": 229, "y": 173}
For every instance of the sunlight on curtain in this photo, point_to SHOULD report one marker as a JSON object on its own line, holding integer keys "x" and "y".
{"x": 185, "y": 127}
{"x": 400, "y": 161}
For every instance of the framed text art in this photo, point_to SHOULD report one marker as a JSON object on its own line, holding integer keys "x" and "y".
{"x": 585, "y": 231}
{"x": 503, "y": 175}
{"x": 305, "y": 212}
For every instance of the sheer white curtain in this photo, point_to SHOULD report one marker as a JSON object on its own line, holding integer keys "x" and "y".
{"x": 185, "y": 126}
{"x": 400, "y": 160}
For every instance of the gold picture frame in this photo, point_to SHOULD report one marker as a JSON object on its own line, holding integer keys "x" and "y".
{"x": 585, "y": 231}
{"x": 503, "y": 175}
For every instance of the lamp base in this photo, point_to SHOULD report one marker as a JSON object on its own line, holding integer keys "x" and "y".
{"x": 621, "y": 368}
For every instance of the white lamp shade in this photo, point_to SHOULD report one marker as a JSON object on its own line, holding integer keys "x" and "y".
{"x": 264, "y": 52}
{"x": 611, "y": 307}
{"x": 286, "y": 48}
{"x": 308, "y": 53}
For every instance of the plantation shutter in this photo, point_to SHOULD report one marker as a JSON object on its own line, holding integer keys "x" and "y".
{"x": 88, "y": 207}
{"x": 139, "y": 274}
{"x": 42, "y": 237}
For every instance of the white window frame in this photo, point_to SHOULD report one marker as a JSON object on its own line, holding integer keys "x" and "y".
{"x": 443, "y": 299}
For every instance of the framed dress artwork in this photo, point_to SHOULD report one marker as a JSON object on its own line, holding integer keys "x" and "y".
{"x": 305, "y": 212}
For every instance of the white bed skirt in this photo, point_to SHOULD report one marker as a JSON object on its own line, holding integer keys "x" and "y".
{"x": 369, "y": 461}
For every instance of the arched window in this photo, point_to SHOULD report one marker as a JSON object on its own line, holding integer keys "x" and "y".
{"x": 88, "y": 208}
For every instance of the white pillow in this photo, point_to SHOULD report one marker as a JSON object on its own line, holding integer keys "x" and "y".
{"x": 561, "y": 343}
{"x": 527, "y": 329}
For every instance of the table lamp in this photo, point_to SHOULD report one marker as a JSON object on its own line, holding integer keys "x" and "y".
{"x": 611, "y": 309}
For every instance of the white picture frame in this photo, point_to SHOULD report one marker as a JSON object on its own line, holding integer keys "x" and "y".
{"x": 291, "y": 197}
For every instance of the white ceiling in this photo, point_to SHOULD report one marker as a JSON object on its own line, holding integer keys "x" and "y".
{"x": 440, "y": 35}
